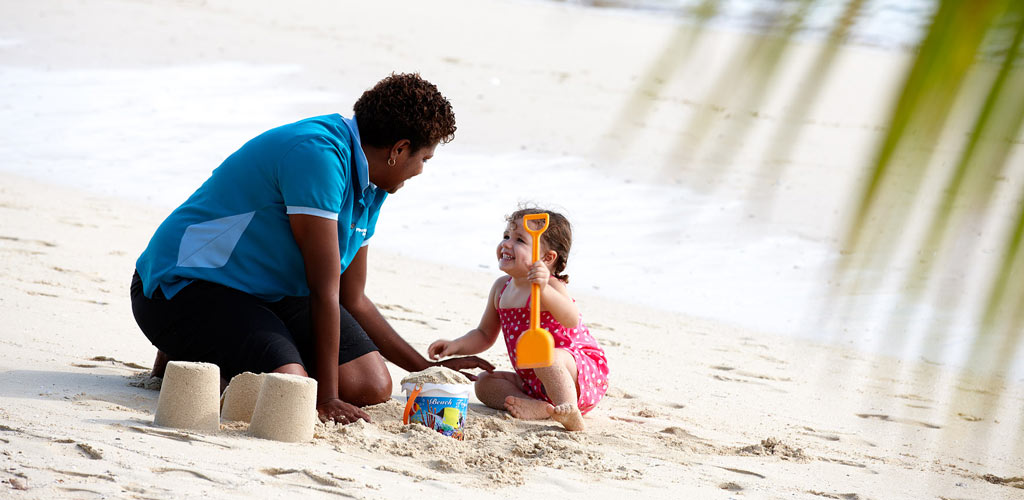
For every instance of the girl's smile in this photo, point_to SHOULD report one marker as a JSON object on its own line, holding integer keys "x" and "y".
{"x": 514, "y": 251}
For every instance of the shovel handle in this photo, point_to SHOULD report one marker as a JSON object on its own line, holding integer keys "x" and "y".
{"x": 536, "y": 234}
{"x": 535, "y": 288}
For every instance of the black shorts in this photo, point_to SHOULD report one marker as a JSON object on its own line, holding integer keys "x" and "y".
{"x": 236, "y": 331}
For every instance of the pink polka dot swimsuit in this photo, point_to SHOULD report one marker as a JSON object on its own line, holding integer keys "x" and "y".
{"x": 591, "y": 365}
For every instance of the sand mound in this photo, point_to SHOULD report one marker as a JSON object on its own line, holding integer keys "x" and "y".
{"x": 774, "y": 447}
{"x": 436, "y": 375}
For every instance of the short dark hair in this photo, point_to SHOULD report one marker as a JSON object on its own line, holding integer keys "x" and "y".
{"x": 557, "y": 237}
{"x": 404, "y": 106}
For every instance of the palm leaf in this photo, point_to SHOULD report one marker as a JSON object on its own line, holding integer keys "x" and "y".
{"x": 806, "y": 94}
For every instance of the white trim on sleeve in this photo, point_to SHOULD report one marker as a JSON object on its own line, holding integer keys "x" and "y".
{"x": 290, "y": 210}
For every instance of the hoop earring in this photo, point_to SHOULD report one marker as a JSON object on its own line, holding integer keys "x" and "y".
{"x": 391, "y": 162}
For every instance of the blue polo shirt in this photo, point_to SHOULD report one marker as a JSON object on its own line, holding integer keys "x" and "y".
{"x": 234, "y": 230}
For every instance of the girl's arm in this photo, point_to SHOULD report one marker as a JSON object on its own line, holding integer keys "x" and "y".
{"x": 478, "y": 339}
{"x": 554, "y": 297}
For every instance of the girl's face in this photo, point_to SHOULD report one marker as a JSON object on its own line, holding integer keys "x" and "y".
{"x": 515, "y": 250}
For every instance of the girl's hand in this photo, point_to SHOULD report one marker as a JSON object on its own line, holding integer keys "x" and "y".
{"x": 340, "y": 412}
{"x": 539, "y": 274}
{"x": 441, "y": 349}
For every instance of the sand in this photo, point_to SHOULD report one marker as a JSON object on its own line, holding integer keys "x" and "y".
{"x": 435, "y": 375}
{"x": 696, "y": 408}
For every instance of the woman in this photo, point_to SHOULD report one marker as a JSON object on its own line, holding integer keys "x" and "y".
{"x": 245, "y": 274}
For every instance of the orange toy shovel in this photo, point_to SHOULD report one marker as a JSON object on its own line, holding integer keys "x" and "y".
{"x": 535, "y": 347}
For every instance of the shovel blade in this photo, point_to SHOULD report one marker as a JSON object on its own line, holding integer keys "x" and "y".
{"x": 535, "y": 349}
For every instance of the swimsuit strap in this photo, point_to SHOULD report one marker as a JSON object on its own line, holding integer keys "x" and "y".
{"x": 502, "y": 292}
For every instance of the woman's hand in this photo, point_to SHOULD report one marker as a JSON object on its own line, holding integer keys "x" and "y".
{"x": 340, "y": 412}
{"x": 441, "y": 349}
{"x": 467, "y": 363}
{"x": 539, "y": 274}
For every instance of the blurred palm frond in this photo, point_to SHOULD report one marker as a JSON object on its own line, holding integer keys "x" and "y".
{"x": 930, "y": 221}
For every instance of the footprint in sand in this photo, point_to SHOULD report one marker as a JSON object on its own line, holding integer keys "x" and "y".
{"x": 976, "y": 391}
{"x": 89, "y": 451}
{"x": 741, "y": 373}
{"x": 112, "y": 362}
{"x": 887, "y": 418}
{"x": 741, "y": 471}
{"x": 410, "y": 320}
{"x": 840, "y": 496}
{"x": 841, "y": 461}
{"x": 187, "y": 472}
{"x": 1015, "y": 482}
{"x": 747, "y": 381}
{"x": 311, "y": 477}
{"x": 35, "y": 242}
{"x": 397, "y": 307}
{"x": 773, "y": 359}
{"x": 679, "y": 432}
{"x": 615, "y": 392}
{"x": 41, "y": 294}
{"x": 820, "y": 435}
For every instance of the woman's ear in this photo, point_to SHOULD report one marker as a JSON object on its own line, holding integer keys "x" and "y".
{"x": 402, "y": 146}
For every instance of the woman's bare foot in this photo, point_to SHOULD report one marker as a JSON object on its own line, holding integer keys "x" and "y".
{"x": 527, "y": 409}
{"x": 568, "y": 415}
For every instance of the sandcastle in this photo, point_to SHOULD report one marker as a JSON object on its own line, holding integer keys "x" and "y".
{"x": 189, "y": 397}
{"x": 239, "y": 398}
{"x": 285, "y": 408}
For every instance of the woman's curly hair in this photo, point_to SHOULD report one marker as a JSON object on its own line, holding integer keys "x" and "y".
{"x": 404, "y": 106}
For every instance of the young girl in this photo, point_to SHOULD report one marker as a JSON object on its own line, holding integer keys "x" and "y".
{"x": 578, "y": 378}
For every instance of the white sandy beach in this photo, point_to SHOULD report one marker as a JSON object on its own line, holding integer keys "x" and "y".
{"x": 699, "y": 408}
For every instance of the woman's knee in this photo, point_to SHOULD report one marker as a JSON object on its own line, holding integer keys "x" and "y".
{"x": 375, "y": 390}
{"x": 292, "y": 369}
{"x": 365, "y": 380}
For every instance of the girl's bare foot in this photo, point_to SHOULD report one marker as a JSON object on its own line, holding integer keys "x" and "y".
{"x": 528, "y": 409}
{"x": 568, "y": 415}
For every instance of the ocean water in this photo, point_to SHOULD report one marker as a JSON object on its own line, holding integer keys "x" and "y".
{"x": 880, "y": 23}
{"x": 155, "y": 134}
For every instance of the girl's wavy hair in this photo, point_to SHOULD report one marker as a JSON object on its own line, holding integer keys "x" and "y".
{"x": 557, "y": 237}
{"x": 404, "y": 106}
